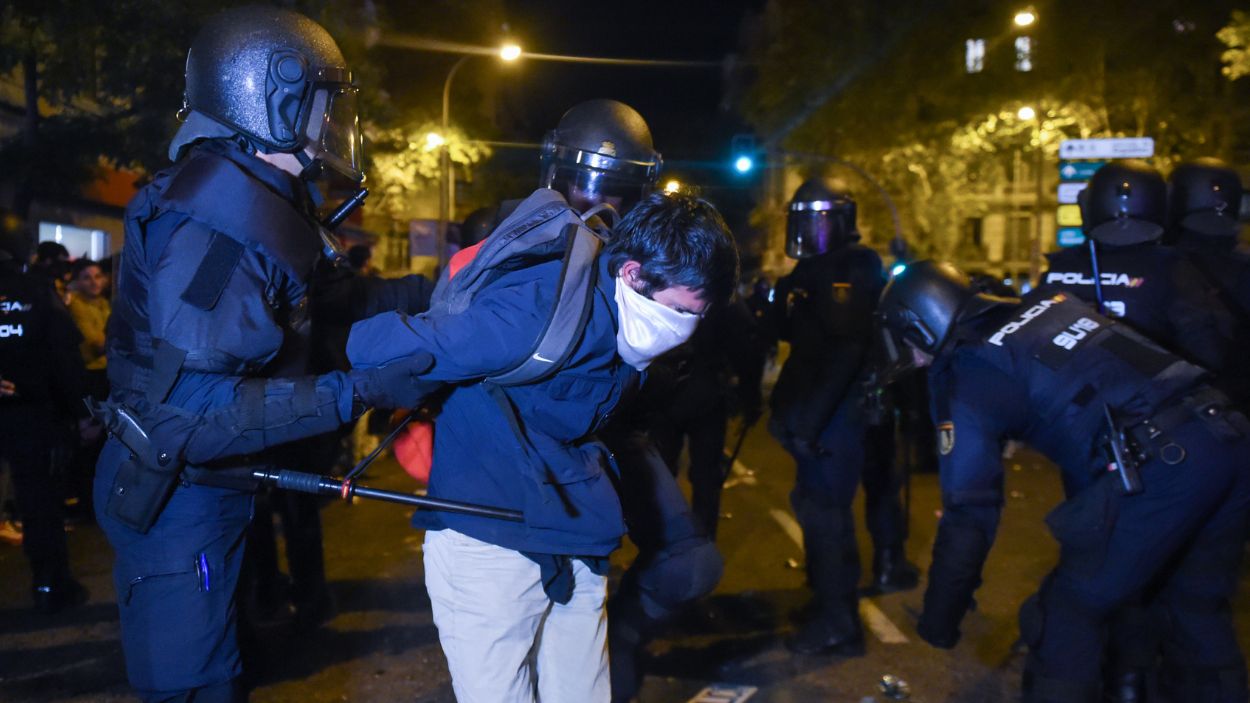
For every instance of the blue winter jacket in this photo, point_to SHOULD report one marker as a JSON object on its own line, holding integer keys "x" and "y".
{"x": 553, "y": 469}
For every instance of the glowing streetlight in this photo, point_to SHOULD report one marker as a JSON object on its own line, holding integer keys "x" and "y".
{"x": 434, "y": 140}
{"x": 1026, "y": 113}
{"x": 1025, "y": 17}
{"x": 510, "y": 51}
{"x": 672, "y": 186}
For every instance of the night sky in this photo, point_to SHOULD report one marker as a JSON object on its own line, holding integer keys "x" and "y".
{"x": 681, "y": 104}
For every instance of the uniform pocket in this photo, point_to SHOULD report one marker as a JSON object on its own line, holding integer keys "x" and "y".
{"x": 1083, "y": 525}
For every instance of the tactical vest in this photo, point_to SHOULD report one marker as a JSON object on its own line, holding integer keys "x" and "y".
{"x": 256, "y": 219}
{"x": 1074, "y": 360}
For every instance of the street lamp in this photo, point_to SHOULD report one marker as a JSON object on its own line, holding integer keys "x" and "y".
{"x": 1025, "y": 17}
{"x": 447, "y": 193}
{"x": 510, "y": 52}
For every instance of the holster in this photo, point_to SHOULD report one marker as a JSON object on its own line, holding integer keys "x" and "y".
{"x": 139, "y": 493}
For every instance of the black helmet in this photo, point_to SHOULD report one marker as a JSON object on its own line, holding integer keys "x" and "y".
{"x": 1204, "y": 197}
{"x": 478, "y": 226}
{"x": 922, "y": 303}
{"x": 278, "y": 79}
{"x": 601, "y": 152}
{"x": 820, "y": 219}
{"x": 1124, "y": 203}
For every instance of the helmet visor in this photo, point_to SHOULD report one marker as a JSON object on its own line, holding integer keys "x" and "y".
{"x": 808, "y": 233}
{"x": 337, "y": 139}
{"x": 587, "y": 187}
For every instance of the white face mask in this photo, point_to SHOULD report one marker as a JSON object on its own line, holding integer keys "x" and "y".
{"x": 647, "y": 328}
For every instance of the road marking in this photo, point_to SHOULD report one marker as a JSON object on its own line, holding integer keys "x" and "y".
{"x": 788, "y": 525}
{"x": 885, "y": 630}
{"x": 881, "y": 626}
{"x": 724, "y": 693}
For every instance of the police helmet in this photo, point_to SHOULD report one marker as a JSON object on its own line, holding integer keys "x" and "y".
{"x": 478, "y": 226}
{"x": 1204, "y": 197}
{"x": 820, "y": 218}
{"x": 922, "y": 303}
{"x": 1124, "y": 203}
{"x": 278, "y": 79}
{"x": 600, "y": 152}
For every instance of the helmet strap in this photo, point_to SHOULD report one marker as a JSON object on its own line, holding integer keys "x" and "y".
{"x": 312, "y": 167}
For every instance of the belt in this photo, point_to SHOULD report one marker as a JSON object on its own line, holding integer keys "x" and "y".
{"x": 1151, "y": 437}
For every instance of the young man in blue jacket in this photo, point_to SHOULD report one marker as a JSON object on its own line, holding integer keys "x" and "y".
{"x": 501, "y": 590}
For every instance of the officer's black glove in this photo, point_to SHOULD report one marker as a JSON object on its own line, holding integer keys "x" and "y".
{"x": 958, "y": 555}
{"x": 396, "y": 384}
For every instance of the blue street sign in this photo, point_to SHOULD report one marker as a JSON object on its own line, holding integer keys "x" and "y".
{"x": 1078, "y": 170}
{"x": 1071, "y": 236}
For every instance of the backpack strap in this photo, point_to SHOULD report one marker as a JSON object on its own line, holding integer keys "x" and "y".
{"x": 568, "y": 319}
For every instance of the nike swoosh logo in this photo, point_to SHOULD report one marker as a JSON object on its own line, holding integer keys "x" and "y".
{"x": 539, "y": 357}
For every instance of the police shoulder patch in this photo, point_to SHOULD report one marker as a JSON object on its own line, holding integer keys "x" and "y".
{"x": 946, "y": 438}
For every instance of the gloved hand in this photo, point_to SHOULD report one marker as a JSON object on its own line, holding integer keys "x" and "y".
{"x": 958, "y": 555}
{"x": 396, "y": 384}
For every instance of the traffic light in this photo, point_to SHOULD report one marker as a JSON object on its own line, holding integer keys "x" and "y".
{"x": 744, "y": 150}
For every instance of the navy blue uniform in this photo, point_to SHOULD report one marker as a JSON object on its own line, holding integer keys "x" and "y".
{"x": 824, "y": 308}
{"x": 210, "y": 301}
{"x": 1152, "y": 288}
{"x": 725, "y": 355}
{"x": 1225, "y": 274}
{"x": 39, "y": 355}
{"x": 1042, "y": 372}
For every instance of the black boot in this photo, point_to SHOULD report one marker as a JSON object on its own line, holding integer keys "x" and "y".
{"x": 629, "y": 631}
{"x": 54, "y": 597}
{"x": 839, "y": 634}
{"x": 833, "y": 575}
{"x": 891, "y": 572}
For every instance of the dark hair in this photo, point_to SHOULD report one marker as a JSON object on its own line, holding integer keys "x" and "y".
{"x": 81, "y": 265}
{"x": 50, "y": 251}
{"x": 679, "y": 240}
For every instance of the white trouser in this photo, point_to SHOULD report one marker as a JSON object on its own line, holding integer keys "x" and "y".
{"x": 504, "y": 639}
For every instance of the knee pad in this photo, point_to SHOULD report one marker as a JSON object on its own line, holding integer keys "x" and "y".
{"x": 681, "y": 573}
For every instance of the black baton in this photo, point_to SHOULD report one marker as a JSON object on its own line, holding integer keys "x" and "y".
{"x": 330, "y": 486}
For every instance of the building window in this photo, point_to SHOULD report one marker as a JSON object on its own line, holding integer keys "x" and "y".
{"x": 974, "y": 55}
{"x": 1024, "y": 54}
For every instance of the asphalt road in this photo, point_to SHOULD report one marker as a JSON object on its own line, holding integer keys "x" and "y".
{"x": 382, "y": 645}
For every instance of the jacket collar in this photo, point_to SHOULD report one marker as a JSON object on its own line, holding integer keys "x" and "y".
{"x": 277, "y": 180}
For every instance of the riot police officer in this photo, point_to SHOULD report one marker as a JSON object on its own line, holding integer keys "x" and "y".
{"x": 1092, "y": 395}
{"x": 41, "y": 380}
{"x": 218, "y": 252}
{"x": 824, "y": 308}
{"x": 1204, "y": 199}
{"x": 1127, "y": 274}
{"x": 1159, "y": 294}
